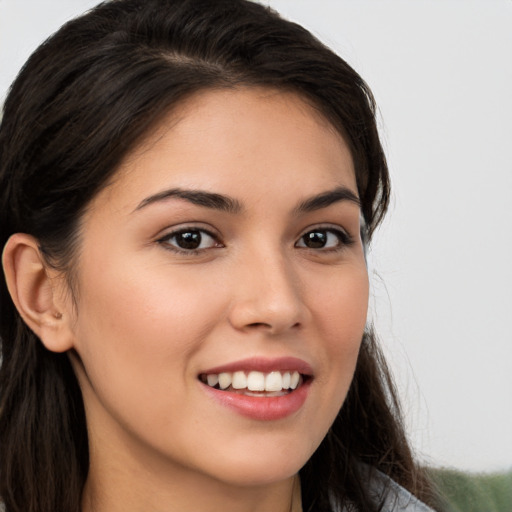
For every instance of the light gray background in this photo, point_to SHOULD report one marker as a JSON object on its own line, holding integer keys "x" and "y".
{"x": 441, "y": 72}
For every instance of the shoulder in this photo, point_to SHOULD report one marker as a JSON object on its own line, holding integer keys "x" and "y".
{"x": 394, "y": 497}
{"x": 389, "y": 496}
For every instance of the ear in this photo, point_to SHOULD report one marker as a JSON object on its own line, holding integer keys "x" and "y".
{"x": 37, "y": 292}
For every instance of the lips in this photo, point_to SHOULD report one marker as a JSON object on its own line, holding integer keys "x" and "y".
{"x": 260, "y": 388}
{"x": 265, "y": 365}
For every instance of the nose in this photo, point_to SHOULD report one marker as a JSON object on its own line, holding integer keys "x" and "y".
{"x": 268, "y": 296}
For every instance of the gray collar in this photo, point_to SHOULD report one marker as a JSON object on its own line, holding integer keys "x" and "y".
{"x": 393, "y": 496}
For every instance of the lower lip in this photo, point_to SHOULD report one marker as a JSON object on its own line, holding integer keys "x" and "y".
{"x": 262, "y": 408}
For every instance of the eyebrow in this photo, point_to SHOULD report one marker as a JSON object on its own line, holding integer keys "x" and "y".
{"x": 198, "y": 197}
{"x": 328, "y": 198}
{"x": 228, "y": 204}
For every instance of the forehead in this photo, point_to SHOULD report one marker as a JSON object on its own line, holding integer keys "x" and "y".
{"x": 244, "y": 136}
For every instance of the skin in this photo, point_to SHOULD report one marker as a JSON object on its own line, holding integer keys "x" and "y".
{"x": 148, "y": 319}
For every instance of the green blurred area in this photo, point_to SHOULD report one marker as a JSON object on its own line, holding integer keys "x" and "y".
{"x": 473, "y": 492}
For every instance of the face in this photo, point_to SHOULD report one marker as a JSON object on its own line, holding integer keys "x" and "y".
{"x": 222, "y": 291}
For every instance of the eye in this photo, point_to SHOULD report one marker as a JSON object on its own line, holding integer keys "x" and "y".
{"x": 325, "y": 238}
{"x": 189, "y": 240}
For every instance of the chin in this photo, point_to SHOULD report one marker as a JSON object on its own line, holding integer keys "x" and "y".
{"x": 262, "y": 466}
{"x": 250, "y": 475}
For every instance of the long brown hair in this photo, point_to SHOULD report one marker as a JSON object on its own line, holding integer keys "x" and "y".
{"x": 80, "y": 103}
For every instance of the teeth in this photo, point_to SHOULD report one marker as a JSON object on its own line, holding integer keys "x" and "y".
{"x": 254, "y": 381}
{"x": 239, "y": 380}
{"x": 212, "y": 379}
{"x": 224, "y": 380}
{"x": 273, "y": 382}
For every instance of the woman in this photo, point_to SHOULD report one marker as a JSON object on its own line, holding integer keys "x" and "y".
{"x": 187, "y": 191}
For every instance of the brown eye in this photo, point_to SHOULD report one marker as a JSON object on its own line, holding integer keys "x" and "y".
{"x": 188, "y": 240}
{"x": 191, "y": 240}
{"x": 324, "y": 239}
{"x": 315, "y": 239}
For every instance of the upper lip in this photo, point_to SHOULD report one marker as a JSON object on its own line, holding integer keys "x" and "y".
{"x": 264, "y": 365}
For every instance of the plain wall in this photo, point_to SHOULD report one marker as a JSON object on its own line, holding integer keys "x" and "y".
{"x": 441, "y": 72}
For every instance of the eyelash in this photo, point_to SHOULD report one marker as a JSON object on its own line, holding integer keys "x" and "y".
{"x": 164, "y": 241}
{"x": 344, "y": 240}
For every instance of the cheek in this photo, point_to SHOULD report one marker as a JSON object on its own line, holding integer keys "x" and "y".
{"x": 154, "y": 308}
{"x": 340, "y": 310}
{"x": 340, "y": 303}
{"x": 137, "y": 338}
{"x": 136, "y": 332}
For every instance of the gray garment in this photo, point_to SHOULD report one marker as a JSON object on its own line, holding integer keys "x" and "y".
{"x": 393, "y": 496}
{"x": 397, "y": 499}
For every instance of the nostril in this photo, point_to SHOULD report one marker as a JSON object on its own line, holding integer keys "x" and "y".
{"x": 271, "y": 328}
{"x": 260, "y": 324}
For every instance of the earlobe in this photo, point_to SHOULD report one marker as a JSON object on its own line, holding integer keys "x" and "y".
{"x": 33, "y": 291}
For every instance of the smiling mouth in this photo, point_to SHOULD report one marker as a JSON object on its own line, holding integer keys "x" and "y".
{"x": 254, "y": 383}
